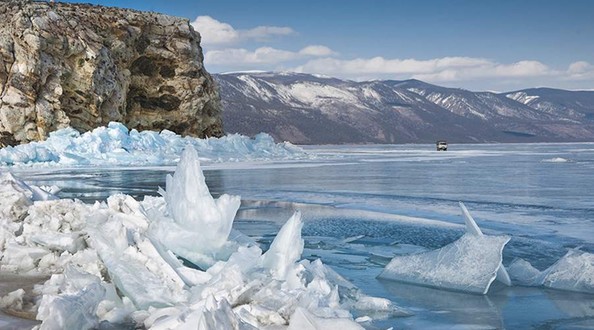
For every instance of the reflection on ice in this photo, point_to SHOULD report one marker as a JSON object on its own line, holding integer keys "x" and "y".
{"x": 461, "y": 310}
{"x": 469, "y": 264}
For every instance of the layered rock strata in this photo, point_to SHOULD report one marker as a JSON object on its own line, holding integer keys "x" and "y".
{"x": 83, "y": 66}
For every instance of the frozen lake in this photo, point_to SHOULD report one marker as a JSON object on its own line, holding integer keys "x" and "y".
{"x": 364, "y": 204}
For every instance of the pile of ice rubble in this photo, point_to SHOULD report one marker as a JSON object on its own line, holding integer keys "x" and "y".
{"x": 119, "y": 262}
{"x": 116, "y": 145}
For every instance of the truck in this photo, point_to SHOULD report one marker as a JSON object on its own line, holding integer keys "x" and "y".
{"x": 441, "y": 145}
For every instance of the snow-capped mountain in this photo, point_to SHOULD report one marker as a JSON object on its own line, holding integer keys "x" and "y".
{"x": 312, "y": 109}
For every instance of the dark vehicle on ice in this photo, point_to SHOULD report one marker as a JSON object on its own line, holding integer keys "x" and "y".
{"x": 441, "y": 145}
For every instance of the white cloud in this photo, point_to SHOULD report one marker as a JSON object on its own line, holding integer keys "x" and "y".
{"x": 519, "y": 69}
{"x": 215, "y": 32}
{"x": 580, "y": 67}
{"x": 264, "y": 55}
{"x": 263, "y": 33}
{"x": 222, "y": 42}
{"x": 438, "y": 69}
{"x": 317, "y": 50}
{"x": 239, "y": 56}
{"x": 580, "y": 70}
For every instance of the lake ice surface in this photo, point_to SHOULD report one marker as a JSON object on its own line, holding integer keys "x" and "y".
{"x": 362, "y": 205}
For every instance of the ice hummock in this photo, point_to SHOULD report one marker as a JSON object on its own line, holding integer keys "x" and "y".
{"x": 115, "y": 145}
{"x": 470, "y": 264}
{"x": 573, "y": 272}
{"x": 108, "y": 263}
{"x": 195, "y": 226}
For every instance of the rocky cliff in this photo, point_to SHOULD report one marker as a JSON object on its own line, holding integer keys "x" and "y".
{"x": 83, "y": 66}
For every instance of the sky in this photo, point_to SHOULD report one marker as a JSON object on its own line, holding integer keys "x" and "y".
{"x": 496, "y": 45}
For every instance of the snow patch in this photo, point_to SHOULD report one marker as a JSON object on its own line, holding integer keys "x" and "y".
{"x": 255, "y": 89}
{"x": 522, "y": 97}
{"x": 316, "y": 94}
{"x": 371, "y": 94}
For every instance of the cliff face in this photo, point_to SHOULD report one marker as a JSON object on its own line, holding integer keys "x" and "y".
{"x": 82, "y": 66}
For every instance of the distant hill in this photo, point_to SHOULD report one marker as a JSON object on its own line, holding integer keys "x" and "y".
{"x": 312, "y": 109}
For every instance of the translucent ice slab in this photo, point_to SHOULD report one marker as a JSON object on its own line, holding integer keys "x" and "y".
{"x": 469, "y": 264}
{"x": 573, "y": 272}
{"x": 196, "y": 225}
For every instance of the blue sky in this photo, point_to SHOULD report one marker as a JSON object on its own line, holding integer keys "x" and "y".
{"x": 474, "y": 44}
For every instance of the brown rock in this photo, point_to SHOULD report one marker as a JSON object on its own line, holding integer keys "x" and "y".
{"x": 83, "y": 66}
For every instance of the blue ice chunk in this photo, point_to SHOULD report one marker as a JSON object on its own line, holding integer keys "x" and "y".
{"x": 469, "y": 264}
{"x": 116, "y": 145}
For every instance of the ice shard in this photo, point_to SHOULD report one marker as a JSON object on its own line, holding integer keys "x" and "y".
{"x": 197, "y": 225}
{"x": 573, "y": 272}
{"x": 473, "y": 228}
{"x": 133, "y": 264}
{"x": 469, "y": 264}
{"x": 286, "y": 248}
{"x": 304, "y": 320}
{"x": 523, "y": 273}
{"x": 75, "y": 311}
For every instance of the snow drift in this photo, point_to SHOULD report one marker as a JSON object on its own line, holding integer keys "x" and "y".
{"x": 116, "y": 145}
{"x": 165, "y": 262}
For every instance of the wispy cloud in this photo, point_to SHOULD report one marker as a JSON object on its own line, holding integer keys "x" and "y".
{"x": 317, "y": 50}
{"x": 439, "y": 69}
{"x": 266, "y": 56}
{"x": 223, "y": 52}
{"x": 240, "y": 56}
{"x": 452, "y": 71}
{"x": 264, "y": 33}
{"x": 581, "y": 70}
{"x": 217, "y": 33}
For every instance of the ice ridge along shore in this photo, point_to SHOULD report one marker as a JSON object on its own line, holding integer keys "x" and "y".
{"x": 116, "y": 145}
{"x": 117, "y": 262}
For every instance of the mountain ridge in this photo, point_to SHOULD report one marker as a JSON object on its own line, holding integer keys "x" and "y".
{"x": 313, "y": 109}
